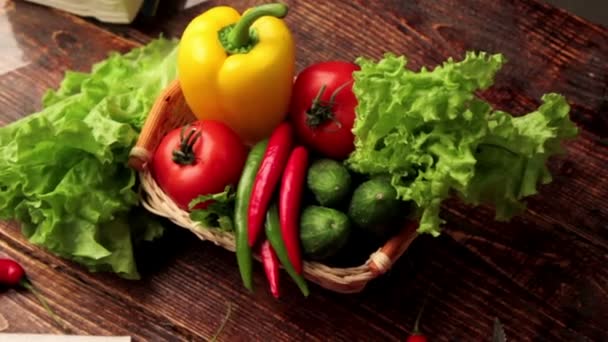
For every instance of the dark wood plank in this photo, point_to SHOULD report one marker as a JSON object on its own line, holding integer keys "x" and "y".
{"x": 548, "y": 49}
{"x": 35, "y": 59}
{"x": 542, "y": 274}
{"x": 176, "y": 277}
{"x": 464, "y": 294}
{"x": 84, "y": 309}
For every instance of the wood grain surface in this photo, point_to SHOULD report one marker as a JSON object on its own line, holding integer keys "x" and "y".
{"x": 544, "y": 274}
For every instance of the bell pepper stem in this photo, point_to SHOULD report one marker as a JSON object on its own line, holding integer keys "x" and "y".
{"x": 239, "y": 36}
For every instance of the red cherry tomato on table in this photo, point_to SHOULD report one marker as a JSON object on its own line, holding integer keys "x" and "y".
{"x": 11, "y": 273}
{"x": 198, "y": 159}
{"x": 322, "y": 108}
{"x": 417, "y": 338}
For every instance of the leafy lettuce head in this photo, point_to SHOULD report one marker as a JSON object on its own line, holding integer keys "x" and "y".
{"x": 432, "y": 135}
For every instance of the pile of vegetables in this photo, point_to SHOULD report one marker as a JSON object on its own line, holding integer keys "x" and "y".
{"x": 297, "y": 170}
{"x": 348, "y": 149}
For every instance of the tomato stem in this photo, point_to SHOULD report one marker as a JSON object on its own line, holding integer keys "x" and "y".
{"x": 417, "y": 323}
{"x": 184, "y": 155}
{"x": 321, "y": 111}
{"x": 26, "y": 284}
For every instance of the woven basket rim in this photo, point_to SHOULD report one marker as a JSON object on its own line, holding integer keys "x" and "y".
{"x": 346, "y": 280}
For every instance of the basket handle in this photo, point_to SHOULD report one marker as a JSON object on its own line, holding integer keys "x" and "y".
{"x": 383, "y": 259}
{"x": 141, "y": 153}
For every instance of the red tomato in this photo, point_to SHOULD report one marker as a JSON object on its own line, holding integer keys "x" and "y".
{"x": 322, "y": 108}
{"x": 417, "y": 338}
{"x": 200, "y": 159}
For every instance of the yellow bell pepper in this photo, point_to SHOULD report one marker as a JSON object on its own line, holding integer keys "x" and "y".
{"x": 239, "y": 69}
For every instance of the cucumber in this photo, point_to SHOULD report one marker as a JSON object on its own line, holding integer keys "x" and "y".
{"x": 329, "y": 181}
{"x": 323, "y": 232}
{"x": 374, "y": 207}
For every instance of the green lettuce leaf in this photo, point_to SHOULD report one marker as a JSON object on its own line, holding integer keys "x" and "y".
{"x": 218, "y": 212}
{"x": 64, "y": 175}
{"x": 511, "y": 159}
{"x": 431, "y": 134}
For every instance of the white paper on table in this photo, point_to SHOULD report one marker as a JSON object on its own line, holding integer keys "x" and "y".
{"x": 192, "y": 3}
{"x": 60, "y": 338}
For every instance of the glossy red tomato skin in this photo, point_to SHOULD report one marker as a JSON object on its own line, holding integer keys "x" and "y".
{"x": 329, "y": 139}
{"x": 219, "y": 160}
{"x": 11, "y": 272}
{"x": 417, "y": 338}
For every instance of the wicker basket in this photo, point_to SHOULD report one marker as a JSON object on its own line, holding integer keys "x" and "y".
{"x": 171, "y": 111}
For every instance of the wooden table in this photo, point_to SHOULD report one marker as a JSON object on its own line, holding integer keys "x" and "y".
{"x": 544, "y": 274}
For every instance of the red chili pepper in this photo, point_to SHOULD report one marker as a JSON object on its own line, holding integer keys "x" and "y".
{"x": 11, "y": 273}
{"x": 267, "y": 178}
{"x": 271, "y": 267}
{"x": 290, "y": 199}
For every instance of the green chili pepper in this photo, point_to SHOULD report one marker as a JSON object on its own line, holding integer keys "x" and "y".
{"x": 273, "y": 234}
{"x": 243, "y": 194}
